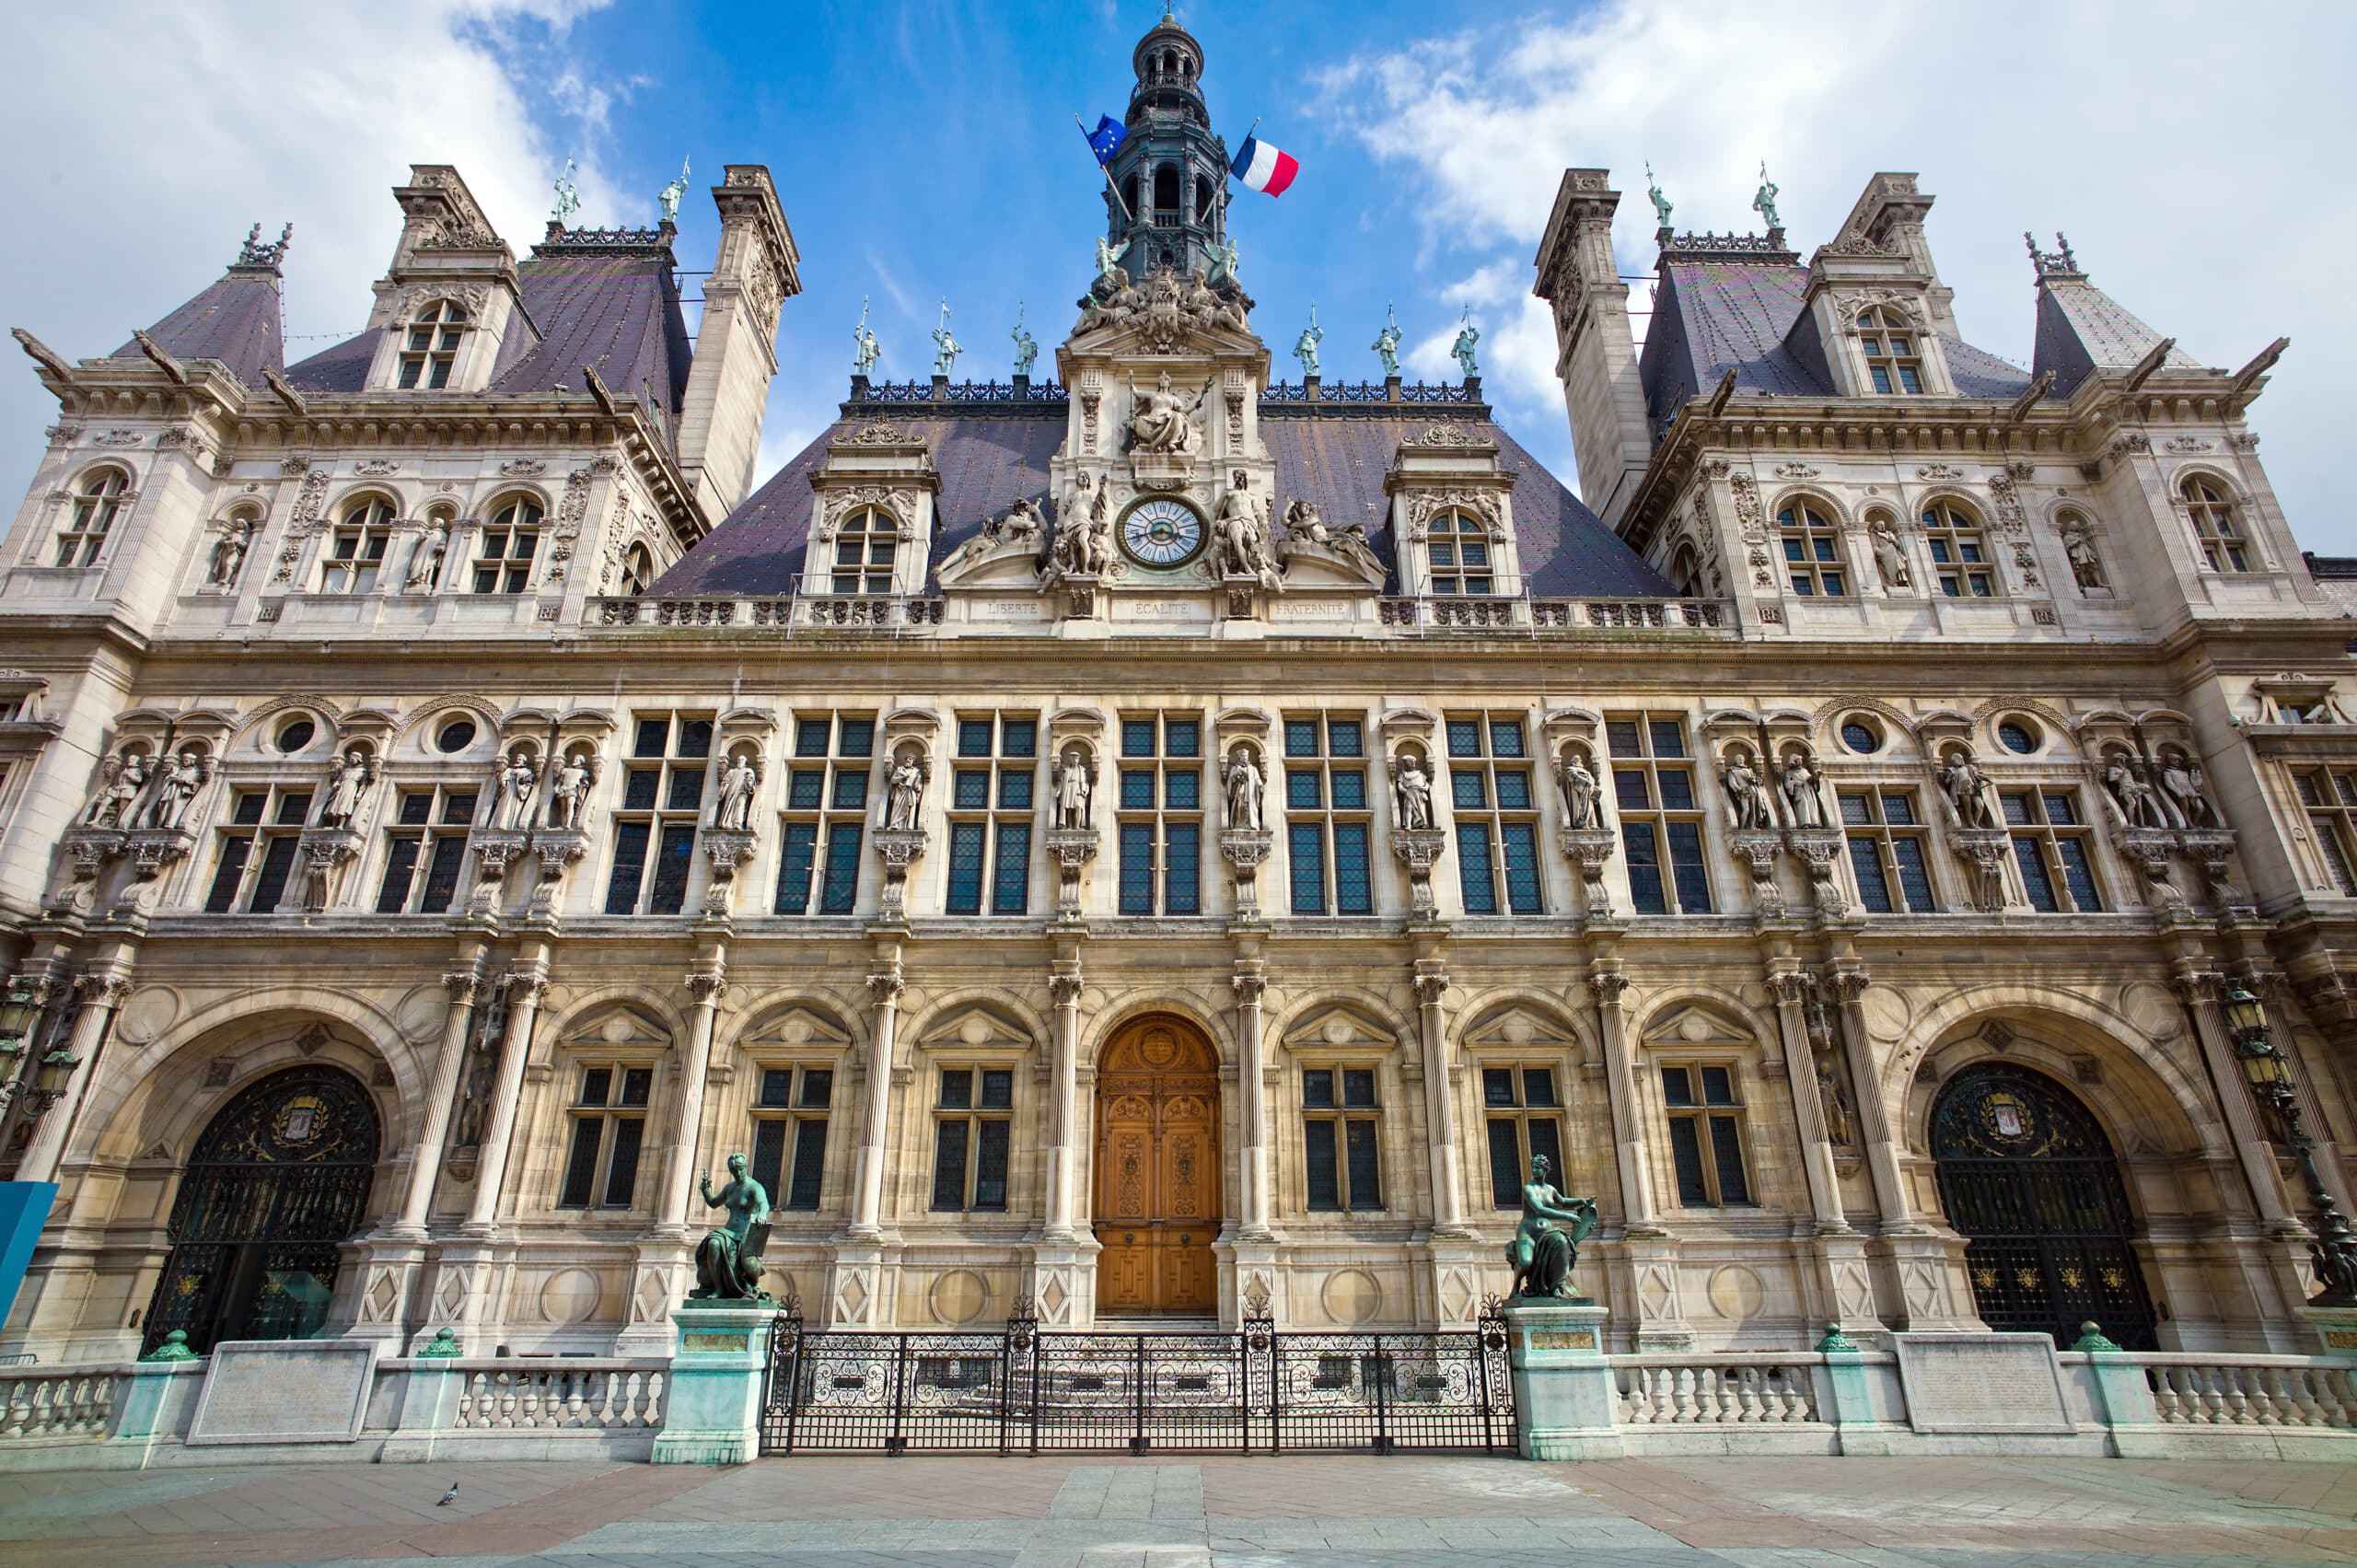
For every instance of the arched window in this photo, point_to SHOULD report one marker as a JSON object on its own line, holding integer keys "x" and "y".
{"x": 1458, "y": 552}
{"x": 865, "y": 546}
{"x": 355, "y": 551}
{"x": 1892, "y": 362}
{"x": 1960, "y": 551}
{"x": 1166, "y": 195}
{"x": 503, "y": 558}
{"x": 431, "y": 347}
{"x": 1812, "y": 552}
{"x": 2216, "y": 525}
{"x": 95, "y": 510}
{"x": 638, "y": 570}
{"x": 1686, "y": 570}
{"x": 1202, "y": 200}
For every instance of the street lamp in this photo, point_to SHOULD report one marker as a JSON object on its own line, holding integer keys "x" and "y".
{"x": 2268, "y": 1072}
{"x": 19, "y": 1008}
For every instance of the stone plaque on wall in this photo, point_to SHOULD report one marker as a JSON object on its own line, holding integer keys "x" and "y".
{"x": 1995, "y": 1383}
{"x": 285, "y": 1391}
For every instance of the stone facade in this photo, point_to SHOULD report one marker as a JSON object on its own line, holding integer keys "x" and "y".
{"x": 482, "y": 737}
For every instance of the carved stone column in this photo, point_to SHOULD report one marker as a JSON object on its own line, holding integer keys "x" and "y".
{"x": 1874, "y": 1131}
{"x": 1064, "y": 1102}
{"x": 466, "y": 1270}
{"x": 1791, "y": 989}
{"x": 526, "y": 987}
{"x": 1440, "y": 1102}
{"x": 102, "y": 991}
{"x": 1605, "y": 985}
{"x": 708, "y": 986}
{"x": 884, "y": 989}
{"x": 1252, "y": 1081}
{"x": 426, "y": 1159}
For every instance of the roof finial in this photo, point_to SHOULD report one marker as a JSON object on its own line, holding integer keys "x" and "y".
{"x": 254, "y": 253}
{"x": 2056, "y": 262}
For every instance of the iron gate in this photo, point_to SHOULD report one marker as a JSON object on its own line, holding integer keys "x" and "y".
{"x": 1019, "y": 1390}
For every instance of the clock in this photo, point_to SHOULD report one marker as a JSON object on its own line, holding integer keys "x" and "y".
{"x": 1162, "y": 532}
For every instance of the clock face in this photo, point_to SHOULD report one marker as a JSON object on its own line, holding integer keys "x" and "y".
{"x": 1162, "y": 532}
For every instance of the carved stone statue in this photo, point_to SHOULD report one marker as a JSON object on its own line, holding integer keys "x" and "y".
{"x": 2138, "y": 802}
{"x": 176, "y": 785}
{"x": 1841, "y": 1123}
{"x": 1304, "y": 347}
{"x": 568, "y": 198}
{"x": 569, "y": 787}
{"x": 869, "y": 351}
{"x": 2184, "y": 787}
{"x": 1243, "y": 536}
{"x": 1542, "y": 1252}
{"x": 1109, "y": 255}
{"x": 1804, "y": 801}
{"x": 514, "y": 780}
{"x": 425, "y": 561}
{"x": 1245, "y": 788}
{"x": 1027, "y": 347}
{"x": 1021, "y": 523}
{"x": 2079, "y": 545}
{"x": 1661, "y": 203}
{"x": 728, "y": 1258}
{"x": 1968, "y": 790}
{"x": 1387, "y": 343}
{"x": 1073, "y": 779}
{"x": 1467, "y": 335}
{"x": 1764, "y": 201}
{"x": 740, "y": 781}
{"x": 1411, "y": 791}
{"x": 946, "y": 346}
{"x": 230, "y": 553}
{"x": 905, "y": 791}
{"x": 1748, "y": 805}
{"x": 1582, "y": 794}
{"x": 120, "y": 779}
{"x": 1162, "y": 421}
{"x": 346, "y": 779}
{"x": 1890, "y": 556}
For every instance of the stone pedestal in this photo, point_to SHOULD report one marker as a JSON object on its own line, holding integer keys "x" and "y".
{"x": 1062, "y": 1285}
{"x": 1245, "y": 849}
{"x": 1846, "y": 1398}
{"x": 1418, "y": 849}
{"x": 150, "y": 1403}
{"x": 726, "y": 851}
{"x": 149, "y": 852}
{"x": 898, "y": 848}
{"x": 2336, "y": 1330}
{"x": 1588, "y": 849}
{"x": 1563, "y": 1394}
{"x": 712, "y": 1404}
{"x": 558, "y": 850}
{"x": 1072, "y": 849}
{"x": 495, "y": 848}
{"x": 391, "y": 1261}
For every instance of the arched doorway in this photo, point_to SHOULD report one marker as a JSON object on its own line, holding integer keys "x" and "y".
{"x": 277, "y": 1181}
{"x": 1157, "y": 1206}
{"x": 2030, "y": 1181}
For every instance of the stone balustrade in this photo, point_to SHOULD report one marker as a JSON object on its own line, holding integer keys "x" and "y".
{"x": 570, "y": 1396}
{"x": 2257, "y": 1390}
{"x": 60, "y": 1402}
{"x": 1715, "y": 1390}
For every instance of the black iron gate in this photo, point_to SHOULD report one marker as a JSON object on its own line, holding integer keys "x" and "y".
{"x": 1019, "y": 1390}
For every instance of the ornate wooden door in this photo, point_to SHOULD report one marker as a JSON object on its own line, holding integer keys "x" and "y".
{"x": 1157, "y": 1170}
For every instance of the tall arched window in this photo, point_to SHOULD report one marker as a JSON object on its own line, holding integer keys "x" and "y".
{"x": 1960, "y": 551}
{"x": 2224, "y": 545}
{"x": 503, "y": 559}
{"x": 355, "y": 551}
{"x": 1686, "y": 570}
{"x": 865, "y": 546}
{"x": 638, "y": 570}
{"x": 1458, "y": 550}
{"x": 1892, "y": 362}
{"x": 1812, "y": 552}
{"x": 431, "y": 348}
{"x": 95, "y": 511}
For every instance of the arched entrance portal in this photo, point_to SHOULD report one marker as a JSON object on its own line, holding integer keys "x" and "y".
{"x": 1157, "y": 1170}
{"x": 277, "y": 1181}
{"x": 2029, "y": 1178}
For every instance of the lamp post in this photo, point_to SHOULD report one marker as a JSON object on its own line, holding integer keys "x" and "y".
{"x": 21, "y": 1008}
{"x": 2268, "y": 1072}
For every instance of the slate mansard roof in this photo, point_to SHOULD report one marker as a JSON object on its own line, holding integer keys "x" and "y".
{"x": 237, "y": 320}
{"x": 988, "y": 460}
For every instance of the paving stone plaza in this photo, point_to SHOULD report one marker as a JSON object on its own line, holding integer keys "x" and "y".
{"x": 1953, "y": 1513}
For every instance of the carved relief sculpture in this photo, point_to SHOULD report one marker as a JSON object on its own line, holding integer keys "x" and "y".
{"x": 175, "y": 789}
{"x": 1161, "y": 420}
{"x": 569, "y": 787}
{"x": 1411, "y": 791}
{"x": 1243, "y": 536}
{"x": 512, "y": 782}
{"x": 740, "y": 783}
{"x": 1244, "y": 784}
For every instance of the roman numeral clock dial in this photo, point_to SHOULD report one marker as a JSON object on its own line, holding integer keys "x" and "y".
{"x": 1162, "y": 533}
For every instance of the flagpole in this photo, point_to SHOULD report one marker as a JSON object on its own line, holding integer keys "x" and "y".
{"x": 1227, "y": 195}
{"x": 1109, "y": 173}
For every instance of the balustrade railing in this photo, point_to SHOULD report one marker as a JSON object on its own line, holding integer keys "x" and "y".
{"x": 65, "y": 1402}
{"x": 2192, "y": 1389}
{"x": 1637, "y": 614}
{"x": 1714, "y": 1391}
{"x": 573, "y": 1396}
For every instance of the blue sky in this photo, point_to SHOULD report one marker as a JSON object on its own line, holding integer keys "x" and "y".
{"x": 924, "y": 150}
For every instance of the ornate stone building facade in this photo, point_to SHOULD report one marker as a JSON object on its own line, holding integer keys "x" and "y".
{"x": 1155, "y": 841}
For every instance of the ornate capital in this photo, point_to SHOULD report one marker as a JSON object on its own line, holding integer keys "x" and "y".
{"x": 1607, "y": 987}
{"x": 1847, "y": 985}
{"x": 1792, "y": 985}
{"x": 1430, "y": 989}
{"x": 109, "y": 990}
{"x": 464, "y": 986}
{"x": 2197, "y": 986}
{"x": 526, "y": 985}
{"x": 708, "y": 986}
{"x": 1249, "y": 987}
{"x": 1064, "y": 989}
{"x": 885, "y": 986}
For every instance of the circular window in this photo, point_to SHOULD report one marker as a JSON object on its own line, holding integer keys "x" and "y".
{"x": 1162, "y": 533}
{"x": 456, "y": 735}
{"x": 1861, "y": 736}
{"x": 296, "y": 734}
{"x": 2016, "y": 734}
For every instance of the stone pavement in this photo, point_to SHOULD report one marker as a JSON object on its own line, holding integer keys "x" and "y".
{"x": 840, "y": 1511}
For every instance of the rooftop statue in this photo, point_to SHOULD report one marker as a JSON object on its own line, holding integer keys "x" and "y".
{"x": 1540, "y": 1254}
{"x": 1386, "y": 342}
{"x": 668, "y": 197}
{"x": 1467, "y": 335}
{"x": 1660, "y": 202}
{"x": 947, "y": 348}
{"x": 568, "y": 199}
{"x": 1764, "y": 204}
{"x": 870, "y": 351}
{"x": 1304, "y": 347}
{"x": 1027, "y": 348}
{"x": 1109, "y": 255}
{"x": 1224, "y": 264}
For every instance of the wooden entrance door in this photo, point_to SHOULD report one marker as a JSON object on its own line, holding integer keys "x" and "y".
{"x": 1157, "y": 1170}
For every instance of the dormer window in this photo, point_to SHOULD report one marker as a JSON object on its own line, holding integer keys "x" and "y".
{"x": 355, "y": 551}
{"x": 1459, "y": 553}
{"x": 2224, "y": 546}
{"x": 504, "y": 560}
{"x": 865, "y": 546}
{"x": 431, "y": 347}
{"x": 1812, "y": 552}
{"x": 1892, "y": 362}
{"x": 638, "y": 570}
{"x": 95, "y": 511}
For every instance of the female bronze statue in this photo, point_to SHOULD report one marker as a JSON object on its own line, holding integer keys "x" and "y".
{"x": 726, "y": 1269}
{"x": 1541, "y": 1255}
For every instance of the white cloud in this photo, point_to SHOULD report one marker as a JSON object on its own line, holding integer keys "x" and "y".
{"x": 166, "y": 129}
{"x": 2194, "y": 166}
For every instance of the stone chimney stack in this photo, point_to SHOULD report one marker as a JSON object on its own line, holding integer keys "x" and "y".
{"x": 756, "y": 271}
{"x": 1594, "y": 353}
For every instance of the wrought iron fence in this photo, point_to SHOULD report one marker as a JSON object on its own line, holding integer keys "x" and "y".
{"x": 1019, "y": 1390}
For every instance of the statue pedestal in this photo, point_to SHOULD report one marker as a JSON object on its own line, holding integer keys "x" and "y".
{"x": 2336, "y": 1329}
{"x": 711, "y": 1403}
{"x": 1563, "y": 1393}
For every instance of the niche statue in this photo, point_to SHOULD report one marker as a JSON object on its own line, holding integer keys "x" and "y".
{"x": 728, "y": 1258}
{"x": 1540, "y": 1254}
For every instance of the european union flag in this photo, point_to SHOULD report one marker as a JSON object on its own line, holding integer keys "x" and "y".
{"x": 1106, "y": 140}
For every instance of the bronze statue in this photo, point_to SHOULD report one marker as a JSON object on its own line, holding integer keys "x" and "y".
{"x": 1541, "y": 1255}
{"x": 728, "y": 1258}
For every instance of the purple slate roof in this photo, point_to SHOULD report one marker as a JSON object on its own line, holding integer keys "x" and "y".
{"x": 1338, "y": 463}
{"x": 235, "y": 320}
{"x": 2082, "y": 329}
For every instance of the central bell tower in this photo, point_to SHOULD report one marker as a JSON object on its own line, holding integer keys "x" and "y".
{"x": 1170, "y": 170}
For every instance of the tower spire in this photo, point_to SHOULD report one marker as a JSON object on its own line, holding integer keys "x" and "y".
{"x": 1169, "y": 174}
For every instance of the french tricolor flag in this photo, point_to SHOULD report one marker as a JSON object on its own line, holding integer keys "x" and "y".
{"x": 1264, "y": 167}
